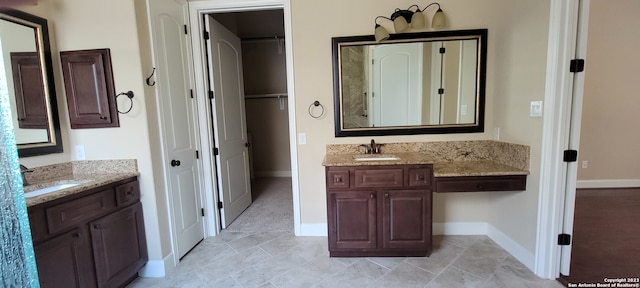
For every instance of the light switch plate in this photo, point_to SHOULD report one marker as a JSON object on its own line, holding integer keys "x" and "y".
{"x": 302, "y": 138}
{"x": 536, "y": 109}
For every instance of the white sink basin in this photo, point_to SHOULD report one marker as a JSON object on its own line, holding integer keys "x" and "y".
{"x": 49, "y": 189}
{"x": 376, "y": 158}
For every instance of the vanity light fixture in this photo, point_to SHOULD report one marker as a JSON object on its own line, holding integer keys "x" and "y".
{"x": 405, "y": 19}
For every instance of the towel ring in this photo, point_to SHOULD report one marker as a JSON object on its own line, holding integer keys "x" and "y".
{"x": 312, "y": 108}
{"x": 130, "y": 96}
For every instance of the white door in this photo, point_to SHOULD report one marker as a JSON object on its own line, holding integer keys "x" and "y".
{"x": 178, "y": 112}
{"x": 230, "y": 132}
{"x": 397, "y": 92}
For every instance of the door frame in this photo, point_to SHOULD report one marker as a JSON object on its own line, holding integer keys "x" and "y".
{"x": 196, "y": 12}
{"x": 568, "y": 23}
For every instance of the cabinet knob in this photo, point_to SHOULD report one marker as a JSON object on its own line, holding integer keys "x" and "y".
{"x": 175, "y": 163}
{"x": 97, "y": 226}
{"x": 372, "y": 195}
{"x": 420, "y": 177}
{"x": 338, "y": 179}
{"x": 103, "y": 117}
{"x": 130, "y": 192}
{"x": 77, "y": 235}
{"x": 386, "y": 195}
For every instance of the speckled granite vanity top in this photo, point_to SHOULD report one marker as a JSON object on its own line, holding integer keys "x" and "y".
{"x": 85, "y": 174}
{"x": 449, "y": 158}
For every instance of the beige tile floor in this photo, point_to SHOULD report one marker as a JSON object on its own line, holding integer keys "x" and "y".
{"x": 279, "y": 259}
{"x": 258, "y": 250}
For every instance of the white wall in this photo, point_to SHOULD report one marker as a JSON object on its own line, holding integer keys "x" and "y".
{"x": 610, "y": 117}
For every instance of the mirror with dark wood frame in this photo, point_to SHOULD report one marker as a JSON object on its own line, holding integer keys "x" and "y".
{"x": 27, "y": 81}
{"x": 413, "y": 83}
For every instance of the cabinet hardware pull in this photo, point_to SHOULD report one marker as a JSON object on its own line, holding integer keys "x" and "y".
{"x": 103, "y": 117}
{"x": 386, "y": 195}
{"x": 420, "y": 177}
{"x": 77, "y": 235}
{"x": 130, "y": 192}
{"x": 96, "y": 226}
{"x": 338, "y": 179}
{"x": 175, "y": 163}
{"x": 372, "y": 195}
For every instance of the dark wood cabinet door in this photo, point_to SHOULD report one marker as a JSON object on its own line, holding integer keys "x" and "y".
{"x": 406, "y": 219}
{"x": 31, "y": 102}
{"x": 352, "y": 219}
{"x": 88, "y": 82}
{"x": 119, "y": 246}
{"x": 66, "y": 261}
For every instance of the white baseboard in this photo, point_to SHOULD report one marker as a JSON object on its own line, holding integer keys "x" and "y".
{"x": 516, "y": 250}
{"x": 313, "y": 229}
{"x": 608, "y": 183}
{"x": 157, "y": 268}
{"x": 270, "y": 174}
{"x": 460, "y": 228}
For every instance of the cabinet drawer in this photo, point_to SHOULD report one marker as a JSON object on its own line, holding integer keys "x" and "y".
{"x": 378, "y": 178}
{"x": 419, "y": 177}
{"x": 127, "y": 193}
{"x": 338, "y": 179}
{"x": 481, "y": 183}
{"x": 79, "y": 210}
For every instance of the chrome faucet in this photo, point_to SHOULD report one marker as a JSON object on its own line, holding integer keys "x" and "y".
{"x": 373, "y": 148}
{"x": 24, "y": 169}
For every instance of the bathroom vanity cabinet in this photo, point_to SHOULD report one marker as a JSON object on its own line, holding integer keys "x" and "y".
{"x": 379, "y": 210}
{"x": 90, "y": 239}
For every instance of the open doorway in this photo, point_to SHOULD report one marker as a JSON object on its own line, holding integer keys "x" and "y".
{"x": 267, "y": 118}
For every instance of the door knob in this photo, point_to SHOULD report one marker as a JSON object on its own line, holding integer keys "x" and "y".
{"x": 175, "y": 163}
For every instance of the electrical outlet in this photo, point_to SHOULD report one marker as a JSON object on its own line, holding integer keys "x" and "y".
{"x": 79, "y": 152}
{"x": 585, "y": 164}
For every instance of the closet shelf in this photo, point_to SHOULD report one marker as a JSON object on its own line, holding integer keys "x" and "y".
{"x": 265, "y": 96}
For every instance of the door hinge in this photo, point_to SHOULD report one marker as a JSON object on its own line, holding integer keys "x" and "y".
{"x": 215, "y": 151}
{"x": 197, "y": 154}
{"x": 576, "y": 65}
{"x": 191, "y": 93}
{"x": 220, "y": 206}
{"x": 570, "y": 156}
{"x": 186, "y": 30}
{"x": 211, "y": 94}
{"x": 205, "y": 35}
{"x": 564, "y": 239}
{"x": 443, "y": 50}
{"x": 202, "y": 211}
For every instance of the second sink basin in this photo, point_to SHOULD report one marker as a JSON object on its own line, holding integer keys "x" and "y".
{"x": 49, "y": 189}
{"x": 374, "y": 157}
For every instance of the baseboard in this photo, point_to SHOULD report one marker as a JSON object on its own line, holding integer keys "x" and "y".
{"x": 460, "y": 228}
{"x": 270, "y": 174}
{"x": 157, "y": 268}
{"x": 514, "y": 248}
{"x": 313, "y": 229}
{"x": 608, "y": 183}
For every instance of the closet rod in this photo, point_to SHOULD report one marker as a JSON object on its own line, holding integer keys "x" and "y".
{"x": 274, "y": 38}
{"x": 265, "y": 96}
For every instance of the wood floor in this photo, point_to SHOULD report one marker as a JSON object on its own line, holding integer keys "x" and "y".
{"x": 606, "y": 236}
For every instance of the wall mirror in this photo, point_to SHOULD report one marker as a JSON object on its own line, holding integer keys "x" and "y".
{"x": 26, "y": 79}
{"x": 413, "y": 83}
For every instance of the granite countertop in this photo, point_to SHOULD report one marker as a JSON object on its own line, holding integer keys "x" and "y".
{"x": 84, "y": 181}
{"x": 85, "y": 174}
{"x": 440, "y": 168}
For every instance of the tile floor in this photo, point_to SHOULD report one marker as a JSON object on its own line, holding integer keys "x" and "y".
{"x": 279, "y": 259}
